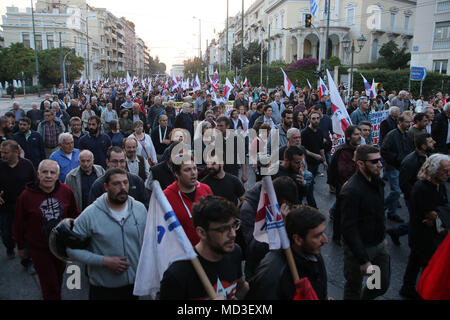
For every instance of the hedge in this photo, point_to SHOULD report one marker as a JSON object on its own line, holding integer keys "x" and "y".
{"x": 399, "y": 80}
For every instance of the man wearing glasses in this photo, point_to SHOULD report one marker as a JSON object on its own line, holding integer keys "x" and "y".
{"x": 216, "y": 222}
{"x": 115, "y": 158}
{"x": 363, "y": 227}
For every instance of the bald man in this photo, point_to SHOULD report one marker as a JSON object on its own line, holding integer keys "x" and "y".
{"x": 82, "y": 178}
{"x": 40, "y": 207}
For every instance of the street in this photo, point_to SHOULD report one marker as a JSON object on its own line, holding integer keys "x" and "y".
{"x": 16, "y": 284}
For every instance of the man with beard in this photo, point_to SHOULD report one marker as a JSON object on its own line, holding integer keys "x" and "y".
{"x": 363, "y": 226}
{"x": 40, "y": 207}
{"x": 136, "y": 164}
{"x": 30, "y": 141}
{"x": 185, "y": 191}
{"x": 96, "y": 142}
{"x": 409, "y": 169}
{"x": 115, "y": 158}
{"x": 221, "y": 183}
{"x": 76, "y": 131}
{"x": 153, "y": 113}
{"x": 305, "y": 228}
{"x": 115, "y": 224}
{"x": 216, "y": 222}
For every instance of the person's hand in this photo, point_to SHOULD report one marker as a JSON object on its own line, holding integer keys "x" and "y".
{"x": 244, "y": 178}
{"x": 116, "y": 264}
{"x": 325, "y": 165}
{"x": 2, "y": 201}
{"x": 220, "y": 297}
{"x": 318, "y": 157}
{"x": 285, "y": 209}
{"x": 363, "y": 268}
{"x": 22, "y": 254}
{"x": 242, "y": 289}
{"x": 166, "y": 141}
{"x": 430, "y": 218}
{"x": 300, "y": 179}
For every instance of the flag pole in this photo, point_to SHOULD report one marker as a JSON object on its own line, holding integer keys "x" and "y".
{"x": 164, "y": 203}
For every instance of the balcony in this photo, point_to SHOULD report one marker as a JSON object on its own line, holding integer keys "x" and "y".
{"x": 441, "y": 44}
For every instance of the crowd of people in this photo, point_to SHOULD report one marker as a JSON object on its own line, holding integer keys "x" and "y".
{"x": 91, "y": 151}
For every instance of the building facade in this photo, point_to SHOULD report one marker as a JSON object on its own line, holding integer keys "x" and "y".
{"x": 140, "y": 57}
{"x": 431, "y": 45}
{"x": 129, "y": 38}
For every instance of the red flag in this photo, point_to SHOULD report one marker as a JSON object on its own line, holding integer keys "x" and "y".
{"x": 304, "y": 290}
{"x": 434, "y": 283}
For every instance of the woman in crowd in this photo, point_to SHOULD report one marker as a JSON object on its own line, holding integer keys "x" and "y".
{"x": 126, "y": 124}
{"x": 115, "y": 134}
{"x": 145, "y": 143}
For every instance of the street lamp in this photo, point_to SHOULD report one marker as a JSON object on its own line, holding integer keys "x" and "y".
{"x": 349, "y": 48}
{"x": 199, "y": 37}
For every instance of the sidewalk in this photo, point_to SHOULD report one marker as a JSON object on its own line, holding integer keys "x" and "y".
{"x": 25, "y": 103}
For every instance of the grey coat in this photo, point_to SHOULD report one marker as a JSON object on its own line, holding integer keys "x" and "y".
{"x": 73, "y": 180}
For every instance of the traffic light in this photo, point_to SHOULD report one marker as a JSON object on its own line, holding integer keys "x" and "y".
{"x": 308, "y": 20}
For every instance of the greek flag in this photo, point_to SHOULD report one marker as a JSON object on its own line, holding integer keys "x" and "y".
{"x": 314, "y": 7}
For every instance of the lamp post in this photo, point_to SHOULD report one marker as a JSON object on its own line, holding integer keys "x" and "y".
{"x": 349, "y": 47}
{"x": 199, "y": 37}
{"x": 64, "y": 67}
{"x": 35, "y": 50}
{"x": 262, "y": 56}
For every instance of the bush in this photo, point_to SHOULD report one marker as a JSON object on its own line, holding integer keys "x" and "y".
{"x": 302, "y": 64}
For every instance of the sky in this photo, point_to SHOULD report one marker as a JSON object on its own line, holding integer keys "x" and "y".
{"x": 167, "y": 26}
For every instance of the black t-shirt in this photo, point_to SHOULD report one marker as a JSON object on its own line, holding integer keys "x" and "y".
{"x": 229, "y": 187}
{"x": 191, "y": 195}
{"x": 180, "y": 281}
{"x": 283, "y": 149}
{"x": 14, "y": 180}
{"x": 313, "y": 142}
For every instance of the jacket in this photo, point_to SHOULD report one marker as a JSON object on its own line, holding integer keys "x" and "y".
{"x": 137, "y": 189}
{"x": 362, "y": 214}
{"x": 276, "y": 111}
{"x": 396, "y": 146}
{"x": 153, "y": 113}
{"x": 97, "y": 145}
{"x": 342, "y": 166}
{"x": 109, "y": 239}
{"x": 73, "y": 180}
{"x": 103, "y": 116}
{"x": 408, "y": 172}
{"x": 33, "y": 147}
{"x": 260, "y": 120}
{"x": 160, "y": 147}
{"x": 358, "y": 115}
{"x": 182, "y": 206}
{"x": 37, "y": 212}
{"x": 59, "y": 126}
{"x": 65, "y": 164}
{"x": 142, "y": 117}
{"x": 439, "y": 131}
{"x": 185, "y": 121}
{"x": 126, "y": 126}
{"x": 273, "y": 279}
{"x": 163, "y": 174}
{"x": 386, "y": 126}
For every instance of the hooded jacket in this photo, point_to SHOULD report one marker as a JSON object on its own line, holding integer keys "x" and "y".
{"x": 37, "y": 212}
{"x": 182, "y": 206}
{"x": 110, "y": 239}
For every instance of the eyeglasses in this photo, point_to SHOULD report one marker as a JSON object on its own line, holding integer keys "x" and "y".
{"x": 373, "y": 161}
{"x": 227, "y": 228}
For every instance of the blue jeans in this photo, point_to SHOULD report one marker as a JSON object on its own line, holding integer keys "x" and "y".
{"x": 391, "y": 202}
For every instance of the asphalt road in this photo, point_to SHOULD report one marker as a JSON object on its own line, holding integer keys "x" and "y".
{"x": 16, "y": 284}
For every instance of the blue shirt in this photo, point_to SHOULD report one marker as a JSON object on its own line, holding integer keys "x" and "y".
{"x": 65, "y": 163}
{"x": 97, "y": 145}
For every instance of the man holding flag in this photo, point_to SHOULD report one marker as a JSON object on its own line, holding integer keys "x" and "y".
{"x": 305, "y": 228}
{"x": 216, "y": 222}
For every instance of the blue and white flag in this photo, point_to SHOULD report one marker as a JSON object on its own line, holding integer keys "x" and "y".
{"x": 164, "y": 243}
{"x": 314, "y": 6}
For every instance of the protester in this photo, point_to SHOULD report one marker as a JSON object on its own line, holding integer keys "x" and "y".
{"x": 30, "y": 141}
{"x": 40, "y": 207}
{"x": 115, "y": 225}
{"x": 145, "y": 146}
{"x": 136, "y": 164}
{"x": 66, "y": 156}
{"x": 96, "y": 141}
{"x": 50, "y": 129}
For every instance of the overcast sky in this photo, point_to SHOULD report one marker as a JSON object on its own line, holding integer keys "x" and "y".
{"x": 167, "y": 26}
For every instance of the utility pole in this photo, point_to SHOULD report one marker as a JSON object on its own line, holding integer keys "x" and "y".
{"x": 328, "y": 34}
{"x": 87, "y": 41}
{"x": 268, "y": 59}
{"x": 242, "y": 43}
{"x": 226, "y": 49}
{"x": 200, "y": 38}
{"x": 35, "y": 50}
{"x": 61, "y": 58}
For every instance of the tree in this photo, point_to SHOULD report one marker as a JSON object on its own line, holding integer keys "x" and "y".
{"x": 49, "y": 65}
{"x": 16, "y": 59}
{"x": 392, "y": 57}
{"x": 194, "y": 66}
{"x": 156, "y": 66}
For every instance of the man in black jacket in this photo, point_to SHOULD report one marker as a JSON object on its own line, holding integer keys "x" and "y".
{"x": 31, "y": 142}
{"x": 396, "y": 146}
{"x": 389, "y": 124}
{"x": 439, "y": 130}
{"x": 409, "y": 168}
{"x": 305, "y": 227}
{"x": 363, "y": 226}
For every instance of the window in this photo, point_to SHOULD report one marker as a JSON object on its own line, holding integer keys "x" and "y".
{"x": 407, "y": 22}
{"x": 440, "y": 66}
{"x": 350, "y": 16}
{"x": 443, "y": 6}
{"x": 26, "y": 40}
{"x": 50, "y": 41}
{"x": 442, "y": 35}
{"x": 392, "y": 23}
{"x": 276, "y": 23}
{"x": 38, "y": 42}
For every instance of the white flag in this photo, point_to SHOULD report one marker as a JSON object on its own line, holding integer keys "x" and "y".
{"x": 269, "y": 223}
{"x": 373, "y": 90}
{"x": 19, "y": 84}
{"x": 6, "y": 85}
{"x": 323, "y": 90}
{"x": 227, "y": 89}
{"x": 309, "y": 84}
{"x": 15, "y": 83}
{"x": 129, "y": 85}
{"x": 164, "y": 243}
{"x": 288, "y": 86}
{"x": 197, "y": 85}
{"x": 340, "y": 117}
{"x": 366, "y": 86}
